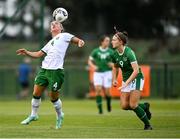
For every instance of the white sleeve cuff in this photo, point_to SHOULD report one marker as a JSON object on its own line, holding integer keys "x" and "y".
{"x": 133, "y": 62}
{"x": 91, "y": 58}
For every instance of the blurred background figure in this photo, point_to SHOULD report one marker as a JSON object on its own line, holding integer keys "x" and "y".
{"x": 24, "y": 73}
{"x": 100, "y": 61}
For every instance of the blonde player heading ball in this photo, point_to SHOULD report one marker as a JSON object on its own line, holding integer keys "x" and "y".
{"x": 51, "y": 74}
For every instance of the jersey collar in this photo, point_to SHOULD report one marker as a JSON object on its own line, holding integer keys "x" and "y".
{"x": 122, "y": 52}
{"x": 103, "y": 50}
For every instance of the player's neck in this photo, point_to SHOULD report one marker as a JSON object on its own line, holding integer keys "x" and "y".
{"x": 103, "y": 47}
{"x": 121, "y": 49}
{"x": 54, "y": 33}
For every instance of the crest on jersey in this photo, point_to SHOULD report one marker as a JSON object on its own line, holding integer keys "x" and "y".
{"x": 124, "y": 58}
{"x": 52, "y": 43}
{"x": 57, "y": 38}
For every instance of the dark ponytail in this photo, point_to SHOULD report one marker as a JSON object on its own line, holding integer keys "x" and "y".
{"x": 125, "y": 33}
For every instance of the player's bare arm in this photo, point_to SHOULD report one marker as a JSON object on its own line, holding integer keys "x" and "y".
{"x": 23, "y": 51}
{"x": 111, "y": 65}
{"x": 115, "y": 75}
{"x": 77, "y": 41}
{"x": 91, "y": 64}
{"x": 135, "y": 72}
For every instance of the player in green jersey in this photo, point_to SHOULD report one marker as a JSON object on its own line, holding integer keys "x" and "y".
{"x": 100, "y": 60}
{"x": 133, "y": 80}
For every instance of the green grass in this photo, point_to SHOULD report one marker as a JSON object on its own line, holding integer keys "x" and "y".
{"x": 82, "y": 120}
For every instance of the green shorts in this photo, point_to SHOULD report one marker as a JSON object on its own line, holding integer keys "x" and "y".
{"x": 51, "y": 78}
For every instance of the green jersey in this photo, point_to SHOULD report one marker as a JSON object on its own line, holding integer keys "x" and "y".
{"x": 101, "y": 58}
{"x": 124, "y": 60}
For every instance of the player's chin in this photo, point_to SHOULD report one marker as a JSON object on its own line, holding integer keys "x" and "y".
{"x": 113, "y": 46}
{"x": 54, "y": 29}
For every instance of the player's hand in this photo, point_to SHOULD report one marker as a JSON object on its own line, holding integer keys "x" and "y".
{"x": 111, "y": 65}
{"x": 81, "y": 43}
{"x": 115, "y": 83}
{"x": 21, "y": 51}
{"x": 123, "y": 86}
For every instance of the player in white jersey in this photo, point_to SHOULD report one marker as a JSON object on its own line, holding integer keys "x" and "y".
{"x": 51, "y": 74}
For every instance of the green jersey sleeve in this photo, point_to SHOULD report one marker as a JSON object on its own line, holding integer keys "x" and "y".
{"x": 93, "y": 54}
{"x": 113, "y": 58}
{"x": 131, "y": 56}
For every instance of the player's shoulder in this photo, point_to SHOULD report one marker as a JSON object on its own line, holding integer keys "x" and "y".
{"x": 65, "y": 34}
{"x": 110, "y": 50}
{"x": 128, "y": 48}
{"x": 67, "y": 37}
{"x": 96, "y": 49}
{"x": 129, "y": 51}
{"x": 94, "y": 52}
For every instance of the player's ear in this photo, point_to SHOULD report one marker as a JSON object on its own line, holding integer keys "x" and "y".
{"x": 50, "y": 27}
{"x": 62, "y": 28}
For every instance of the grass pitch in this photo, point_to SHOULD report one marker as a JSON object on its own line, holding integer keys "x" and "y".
{"x": 82, "y": 121}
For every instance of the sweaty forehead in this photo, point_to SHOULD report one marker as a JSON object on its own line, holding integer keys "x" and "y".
{"x": 107, "y": 38}
{"x": 55, "y": 22}
{"x": 114, "y": 37}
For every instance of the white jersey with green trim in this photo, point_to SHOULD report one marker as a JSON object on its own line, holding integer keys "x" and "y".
{"x": 55, "y": 51}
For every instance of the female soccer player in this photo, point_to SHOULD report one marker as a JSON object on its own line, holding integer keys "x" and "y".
{"x": 133, "y": 79}
{"x": 100, "y": 61}
{"x": 51, "y": 74}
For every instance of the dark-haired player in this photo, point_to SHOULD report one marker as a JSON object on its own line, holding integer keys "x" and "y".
{"x": 133, "y": 79}
{"x": 100, "y": 60}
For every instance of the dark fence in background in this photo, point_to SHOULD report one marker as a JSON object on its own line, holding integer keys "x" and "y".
{"x": 165, "y": 80}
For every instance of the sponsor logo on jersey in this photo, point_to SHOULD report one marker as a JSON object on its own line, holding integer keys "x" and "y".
{"x": 103, "y": 55}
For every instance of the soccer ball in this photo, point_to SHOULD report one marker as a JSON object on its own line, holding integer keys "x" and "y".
{"x": 60, "y": 14}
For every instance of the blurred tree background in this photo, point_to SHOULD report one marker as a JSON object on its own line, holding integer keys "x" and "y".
{"x": 158, "y": 20}
{"x": 141, "y": 18}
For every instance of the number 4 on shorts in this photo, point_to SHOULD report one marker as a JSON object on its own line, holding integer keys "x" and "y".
{"x": 55, "y": 86}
